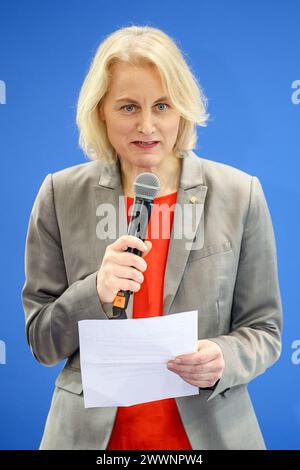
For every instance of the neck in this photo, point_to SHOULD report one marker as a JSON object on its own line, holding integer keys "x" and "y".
{"x": 168, "y": 173}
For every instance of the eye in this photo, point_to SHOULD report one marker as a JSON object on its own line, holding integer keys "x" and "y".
{"x": 163, "y": 104}
{"x": 127, "y": 106}
{"x": 133, "y": 105}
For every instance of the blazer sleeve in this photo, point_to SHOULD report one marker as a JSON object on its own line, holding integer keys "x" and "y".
{"x": 52, "y": 307}
{"x": 254, "y": 342}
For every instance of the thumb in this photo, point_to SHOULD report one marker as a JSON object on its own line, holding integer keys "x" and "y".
{"x": 202, "y": 343}
{"x": 149, "y": 246}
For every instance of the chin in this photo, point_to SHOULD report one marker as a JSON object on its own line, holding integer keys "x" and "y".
{"x": 146, "y": 160}
{"x": 142, "y": 160}
{"x": 149, "y": 161}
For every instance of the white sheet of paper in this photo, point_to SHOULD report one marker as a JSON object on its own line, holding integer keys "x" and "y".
{"x": 124, "y": 362}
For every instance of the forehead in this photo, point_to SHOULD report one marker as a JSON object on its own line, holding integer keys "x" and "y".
{"x": 132, "y": 79}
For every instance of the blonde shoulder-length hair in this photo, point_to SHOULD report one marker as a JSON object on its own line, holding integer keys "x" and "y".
{"x": 139, "y": 45}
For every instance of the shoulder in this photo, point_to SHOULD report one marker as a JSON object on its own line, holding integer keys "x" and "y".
{"x": 76, "y": 183}
{"x": 81, "y": 174}
{"x": 218, "y": 173}
{"x": 225, "y": 181}
{"x": 231, "y": 190}
{"x": 69, "y": 185}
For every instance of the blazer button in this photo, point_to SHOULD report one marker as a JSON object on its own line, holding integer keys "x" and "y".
{"x": 193, "y": 199}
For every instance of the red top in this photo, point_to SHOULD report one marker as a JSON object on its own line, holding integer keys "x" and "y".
{"x": 153, "y": 425}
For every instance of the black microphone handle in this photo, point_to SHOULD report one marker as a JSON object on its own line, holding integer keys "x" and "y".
{"x": 138, "y": 224}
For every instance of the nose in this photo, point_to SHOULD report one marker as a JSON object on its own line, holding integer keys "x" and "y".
{"x": 146, "y": 123}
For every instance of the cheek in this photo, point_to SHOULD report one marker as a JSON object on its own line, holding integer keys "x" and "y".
{"x": 172, "y": 128}
{"x": 118, "y": 128}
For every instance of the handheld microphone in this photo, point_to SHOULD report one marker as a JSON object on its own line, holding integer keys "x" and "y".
{"x": 146, "y": 187}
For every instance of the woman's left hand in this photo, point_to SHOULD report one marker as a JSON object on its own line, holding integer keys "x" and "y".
{"x": 202, "y": 368}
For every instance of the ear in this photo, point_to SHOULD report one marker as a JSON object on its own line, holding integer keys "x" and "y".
{"x": 100, "y": 111}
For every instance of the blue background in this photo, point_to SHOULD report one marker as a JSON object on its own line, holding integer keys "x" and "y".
{"x": 246, "y": 56}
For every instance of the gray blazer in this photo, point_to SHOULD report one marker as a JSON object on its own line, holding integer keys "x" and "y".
{"x": 231, "y": 280}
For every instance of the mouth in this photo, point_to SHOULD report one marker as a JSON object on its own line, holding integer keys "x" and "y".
{"x": 146, "y": 145}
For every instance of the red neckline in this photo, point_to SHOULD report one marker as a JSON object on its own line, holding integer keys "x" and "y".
{"x": 157, "y": 198}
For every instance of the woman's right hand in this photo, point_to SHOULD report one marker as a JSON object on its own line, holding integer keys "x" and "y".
{"x": 121, "y": 270}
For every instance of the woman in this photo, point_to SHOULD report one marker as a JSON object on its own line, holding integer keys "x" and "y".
{"x": 137, "y": 112}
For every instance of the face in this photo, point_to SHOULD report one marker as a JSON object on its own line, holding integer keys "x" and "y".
{"x": 134, "y": 110}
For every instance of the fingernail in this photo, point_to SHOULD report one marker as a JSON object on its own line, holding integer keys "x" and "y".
{"x": 178, "y": 361}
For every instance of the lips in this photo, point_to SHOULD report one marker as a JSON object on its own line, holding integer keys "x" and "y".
{"x": 147, "y": 142}
{"x": 146, "y": 145}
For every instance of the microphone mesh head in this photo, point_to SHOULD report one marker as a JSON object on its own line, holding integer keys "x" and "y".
{"x": 146, "y": 185}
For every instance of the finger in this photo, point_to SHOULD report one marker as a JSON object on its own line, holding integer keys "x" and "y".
{"x": 126, "y": 241}
{"x": 187, "y": 359}
{"x": 203, "y": 377}
{"x": 126, "y": 272}
{"x": 129, "y": 259}
{"x": 193, "y": 382}
{"x": 126, "y": 284}
{"x": 200, "y": 357}
{"x": 200, "y": 380}
{"x": 184, "y": 369}
{"x": 200, "y": 383}
{"x": 149, "y": 247}
{"x": 210, "y": 367}
{"x": 208, "y": 350}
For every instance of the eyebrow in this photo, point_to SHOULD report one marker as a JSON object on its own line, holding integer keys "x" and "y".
{"x": 163, "y": 98}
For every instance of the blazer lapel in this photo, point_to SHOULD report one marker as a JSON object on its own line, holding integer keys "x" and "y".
{"x": 110, "y": 213}
{"x": 109, "y": 207}
{"x": 188, "y": 222}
